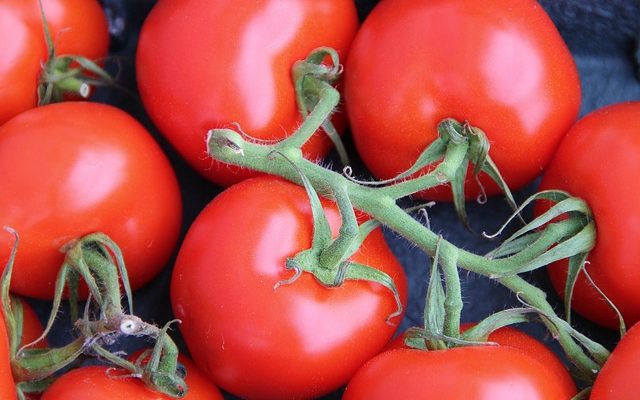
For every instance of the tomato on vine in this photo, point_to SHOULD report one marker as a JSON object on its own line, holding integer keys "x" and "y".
{"x": 579, "y": 167}
{"x": 77, "y": 28}
{"x": 500, "y": 66}
{"x": 240, "y": 56}
{"x": 512, "y": 337}
{"x": 100, "y": 383}
{"x": 74, "y": 168}
{"x": 260, "y": 330}
{"x": 476, "y": 372}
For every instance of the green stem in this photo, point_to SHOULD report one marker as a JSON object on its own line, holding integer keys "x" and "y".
{"x": 71, "y": 84}
{"x": 444, "y": 172}
{"x": 338, "y": 250}
{"x": 228, "y": 146}
{"x": 107, "y": 277}
{"x": 39, "y": 364}
{"x": 537, "y": 298}
{"x": 453, "y": 297}
{"x": 328, "y": 100}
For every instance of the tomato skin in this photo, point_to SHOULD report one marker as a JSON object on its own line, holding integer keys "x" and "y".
{"x": 502, "y": 66}
{"x": 610, "y": 190}
{"x": 239, "y": 69}
{"x": 78, "y": 27}
{"x": 300, "y": 340}
{"x": 92, "y": 383}
{"x": 464, "y": 373}
{"x": 617, "y": 378}
{"x": 74, "y": 168}
{"x": 512, "y": 337}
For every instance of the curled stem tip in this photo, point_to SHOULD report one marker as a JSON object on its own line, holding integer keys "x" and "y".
{"x": 224, "y": 139}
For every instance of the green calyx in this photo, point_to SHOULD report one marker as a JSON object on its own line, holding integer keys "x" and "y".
{"x": 158, "y": 368}
{"x": 66, "y": 74}
{"x": 96, "y": 260}
{"x": 458, "y": 146}
{"x": 162, "y": 371}
{"x": 328, "y": 259}
{"x": 31, "y": 368}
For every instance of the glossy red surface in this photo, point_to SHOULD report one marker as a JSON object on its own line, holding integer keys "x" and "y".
{"x": 501, "y": 66}
{"x": 300, "y": 340}
{"x": 598, "y": 162}
{"x": 464, "y": 373}
{"x": 78, "y": 27}
{"x": 93, "y": 383}
{"x": 512, "y": 337}
{"x": 617, "y": 378}
{"x": 239, "y": 70}
{"x": 71, "y": 169}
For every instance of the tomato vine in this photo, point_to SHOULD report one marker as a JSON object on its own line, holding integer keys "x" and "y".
{"x": 529, "y": 249}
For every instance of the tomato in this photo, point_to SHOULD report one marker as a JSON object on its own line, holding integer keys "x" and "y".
{"x": 616, "y": 379}
{"x": 78, "y": 27}
{"x": 7, "y": 384}
{"x": 598, "y": 162}
{"x": 221, "y": 63}
{"x": 463, "y": 373}
{"x": 93, "y": 383}
{"x": 299, "y": 340}
{"x": 70, "y": 169}
{"x": 512, "y": 337}
{"x": 500, "y": 65}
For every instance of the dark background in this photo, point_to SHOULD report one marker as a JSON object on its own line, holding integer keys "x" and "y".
{"x": 601, "y": 34}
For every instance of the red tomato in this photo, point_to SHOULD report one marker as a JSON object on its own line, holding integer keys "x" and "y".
{"x": 616, "y": 379}
{"x": 7, "y": 385}
{"x": 78, "y": 27}
{"x": 598, "y": 162}
{"x": 70, "y": 169}
{"x": 511, "y": 337}
{"x": 500, "y": 65}
{"x": 208, "y": 64}
{"x": 463, "y": 373}
{"x": 300, "y": 340}
{"x": 93, "y": 383}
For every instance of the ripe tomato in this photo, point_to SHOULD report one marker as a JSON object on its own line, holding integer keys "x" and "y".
{"x": 220, "y": 63}
{"x": 73, "y": 168}
{"x": 93, "y": 383}
{"x": 78, "y": 27}
{"x": 463, "y": 373}
{"x": 616, "y": 379}
{"x": 511, "y": 337}
{"x": 299, "y": 340}
{"x": 500, "y": 65}
{"x": 7, "y": 384}
{"x": 609, "y": 187}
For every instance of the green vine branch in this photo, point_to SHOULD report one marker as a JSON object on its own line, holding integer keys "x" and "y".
{"x": 567, "y": 231}
{"x": 96, "y": 260}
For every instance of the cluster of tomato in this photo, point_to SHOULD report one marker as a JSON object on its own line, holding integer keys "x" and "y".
{"x": 72, "y": 168}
